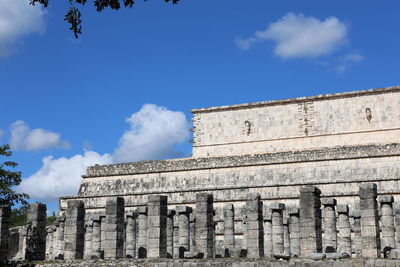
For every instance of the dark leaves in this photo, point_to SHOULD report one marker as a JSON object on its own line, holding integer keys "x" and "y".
{"x": 9, "y": 179}
{"x": 73, "y": 17}
{"x": 45, "y": 3}
{"x": 129, "y": 3}
{"x": 101, "y": 4}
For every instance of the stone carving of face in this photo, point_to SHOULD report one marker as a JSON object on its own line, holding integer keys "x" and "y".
{"x": 368, "y": 114}
{"x": 248, "y": 126}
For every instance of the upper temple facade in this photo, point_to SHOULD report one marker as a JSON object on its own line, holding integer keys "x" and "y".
{"x": 305, "y": 123}
{"x": 334, "y": 141}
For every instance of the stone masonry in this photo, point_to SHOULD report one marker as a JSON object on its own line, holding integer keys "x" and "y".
{"x": 36, "y": 232}
{"x": 275, "y": 179}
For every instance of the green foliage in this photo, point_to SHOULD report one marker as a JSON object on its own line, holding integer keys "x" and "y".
{"x": 18, "y": 216}
{"x": 73, "y": 16}
{"x": 9, "y": 179}
{"x": 51, "y": 219}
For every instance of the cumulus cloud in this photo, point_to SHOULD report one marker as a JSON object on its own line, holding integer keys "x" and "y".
{"x": 17, "y": 19}
{"x": 153, "y": 132}
{"x": 61, "y": 176}
{"x": 23, "y": 138}
{"x": 296, "y": 36}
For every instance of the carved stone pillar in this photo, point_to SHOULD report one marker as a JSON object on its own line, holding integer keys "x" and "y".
{"x": 267, "y": 231}
{"x": 184, "y": 232}
{"x": 344, "y": 240}
{"x": 310, "y": 221}
{"x": 369, "y": 221}
{"x": 74, "y": 236}
{"x": 254, "y": 226}
{"x": 176, "y": 236}
{"x": 330, "y": 231}
{"x": 142, "y": 233}
{"x": 5, "y": 220}
{"x": 294, "y": 231}
{"x": 387, "y": 222}
{"x": 277, "y": 227}
{"x": 87, "y": 254}
{"x": 96, "y": 237}
{"x": 114, "y": 235}
{"x": 157, "y": 226}
{"x": 130, "y": 247}
{"x": 170, "y": 233}
{"x": 36, "y": 232}
{"x": 229, "y": 230}
{"x": 205, "y": 225}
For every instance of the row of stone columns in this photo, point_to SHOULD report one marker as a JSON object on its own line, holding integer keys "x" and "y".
{"x": 154, "y": 231}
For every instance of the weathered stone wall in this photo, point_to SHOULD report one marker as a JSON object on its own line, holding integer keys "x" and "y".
{"x": 351, "y": 118}
{"x": 223, "y": 263}
{"x": 268, "y": 229}
{"x": 279, "y": 176}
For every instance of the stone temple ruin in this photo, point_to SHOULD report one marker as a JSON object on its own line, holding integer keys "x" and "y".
{"x": 298, "y": 179}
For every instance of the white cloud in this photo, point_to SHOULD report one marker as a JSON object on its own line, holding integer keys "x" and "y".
{"x": 60, "y": 177}
{"x": 296, "y": 35}
{"x": 23, "y": 138}
{"x": 153, "y": 133}
{"x": 17, "y": 19}
{"x": 345, "y": 62}
{"x": 1, "y": 134}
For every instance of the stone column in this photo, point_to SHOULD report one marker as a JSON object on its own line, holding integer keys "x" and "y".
{"x": 277, "y": 228}
{"x": 170, "y": 233}
{"x": 310, "y": 221}
{"x": 176, "y": 236}
{"x": 5, "y": 220}
{"x": 205, "y": 225}
{"x": 74, "y": 232}
{"x": 130, "y": 247}
{"x": 157, "y": 226}
{"x": 114, "y": 235}
{"x": 397, "y": 223}
{"x": 96, "y": 237}
{"x": 294, "y": 231}
{"x": 357, "y": 241}
{"x": 50, "y": 241}
{"x": 254, "y": 226}
{"x": 267, "y": 216}
{"x": 286, "y": 234}
{"x": 102, "y": 233}
{"x": 36, "y": 232}
{"x": 192, "y": 230}
{"x": 369, "y": 221}
{"x": 387, "y": 222}
{"x": 87, "y": 254}
{"x": 142, "y": 233}
{"x": 20, "y": 255}
{"x": 229, "y": 230}
{"x": 184, "y": 233}
{"x": 60, "y": 223}
{"x": 330, "y": 232}
{"x": 344, "y": 240}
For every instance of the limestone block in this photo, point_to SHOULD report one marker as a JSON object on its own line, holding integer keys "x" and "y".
{"x": 74, "y": 232}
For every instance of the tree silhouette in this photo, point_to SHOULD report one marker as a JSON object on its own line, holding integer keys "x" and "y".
{"x": 73, "y": 16}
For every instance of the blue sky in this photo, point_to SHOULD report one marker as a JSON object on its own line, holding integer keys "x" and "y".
{"x": 62, "y": 96}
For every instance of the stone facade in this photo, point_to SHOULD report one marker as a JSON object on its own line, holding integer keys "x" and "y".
{"x": 277, "y": 179}
{"x": 304, "y": 123}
